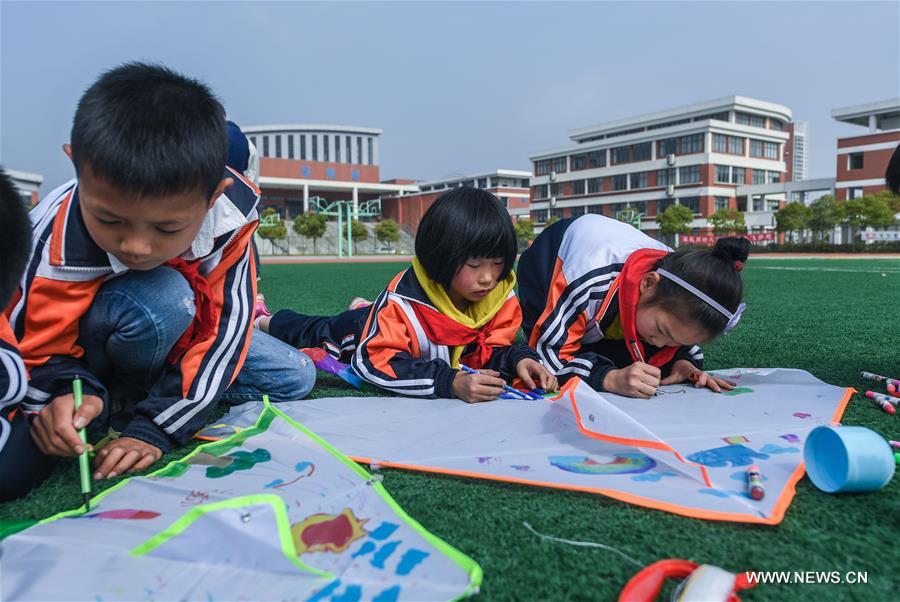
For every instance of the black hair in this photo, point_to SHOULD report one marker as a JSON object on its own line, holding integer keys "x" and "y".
{"x": 712, "y": 271}
{"x": 15, "y": 244}
{"x": 149, "y": 131}
{"x": 462, "y": 223}
{"x": 892, "y": 173}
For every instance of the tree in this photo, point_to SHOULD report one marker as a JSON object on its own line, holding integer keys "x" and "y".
{"x": 358, "y": 232}
{"x": 524, "y": 230}
{"x": 728, "y": 221}
{"x": 793, "y": 217}
{"x": 271, "y": 226}
{"x": 387, "y": 231}
{"x": 823, "y": 216}
{"x": 311, "y": 225}
{"x": 553, "y": 219}
{"x": 676, "y": 219}
{"x": 878, "y": 211}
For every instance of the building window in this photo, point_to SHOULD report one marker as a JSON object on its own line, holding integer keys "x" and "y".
{"x": 540, "y": 216}
{"x": 690, "y": 144}
{"x": 253, "y": 141}
{"x": 773, "y": 177}
{"x": 663, "y": 204}
{"x": 735, "y": 145}
{"x": 524, "y": 182}
{"x": 326, "y": 147}
{"x": 692, "y": 203}
{"x": 722, "y": 202}
{"x": 689, "y": 174}
{"x": 742, "y": 118}
{"x": 719, "y": 143}
{"x": 554, "y": 189}
{"x": 775, "y": 124}
{"x": 359, "y": 150}
{"x": 620, "y": 182}
{"x": 541, "y": 192}
{"x": 619, "y": 155}
{"x": 855, "y": 161}
{"x": 640, "y": 152}
{"x": 756, "y": 148}
{"x": 759, "y": 176}
{"x": 266, "y": 146}
{"x": 505, "y": 201}
{"x": 757, "y": 121}
{"x": 639, "y": 180}
{"x": 595, "y": 185}
{"x": 542, "y": 168}
{"x": 278, "y": 146}
{"x": 337, "y": 149}
{"x": 578, "y": 187}
{"x": 371, "y": 151}
{"x": 557, "y": 213}
{"x": 595, "y": 209}
{"x": 559, "y": 164}
{"x": 347, "y": 151}
{"x": 303, "y": 146}
{"x": 664, "y": 177}
{"x": 723, "y": 174}
{"x": 482, "y": 182}
{"x": 579, "y": 161}
{"x": 738, "y": 175}
{"x": 668, "y": 146}
{"x": 469, "y": 183}
{"x": 771, "y": 150}
{"x": 854, "y": 193}
{"x": 290, "y": 146}
{"x": 576, "y": 211}
{"x": 315, "y": 147}
{"x": 598, "y": 158}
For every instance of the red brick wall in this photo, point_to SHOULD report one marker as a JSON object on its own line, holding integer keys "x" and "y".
{"x": 874, "y": 165}
{"x": 291, "y": 168}
{"x": 789, "y": 153}
{"x": 869, "y": 139}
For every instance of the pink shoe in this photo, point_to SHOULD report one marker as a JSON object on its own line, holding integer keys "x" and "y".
{"x": 357, "y": 302}
{"x": 259, "y": 309}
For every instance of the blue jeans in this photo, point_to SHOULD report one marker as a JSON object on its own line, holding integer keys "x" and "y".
{"x": 137, "y": 318}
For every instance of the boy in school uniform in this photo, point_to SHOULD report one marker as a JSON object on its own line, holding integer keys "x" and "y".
{"x": 15, "y": 245}
{"x": 141, "y": 279}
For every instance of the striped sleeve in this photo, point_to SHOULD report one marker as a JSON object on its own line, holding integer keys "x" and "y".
{"x": 13, "y": 377}
{"x": 180, "y": 401}
{"x": 693, "y": 354}
{"x": 389, "y": 355}
{"x": 505, "y": 355}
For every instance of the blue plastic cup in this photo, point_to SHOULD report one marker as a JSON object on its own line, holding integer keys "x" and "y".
{"x": 841, "y": 459}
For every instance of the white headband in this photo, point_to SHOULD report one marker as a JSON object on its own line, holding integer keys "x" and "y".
{"x": 733, "y": 318}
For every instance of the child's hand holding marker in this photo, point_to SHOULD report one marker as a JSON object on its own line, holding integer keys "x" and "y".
{"x": 55, "y": 429}
{"x": 683, "y": 370}
{"x": 475, "y": 387}
{"x": 637, "y": 380}
{"x": 535, "y": 375}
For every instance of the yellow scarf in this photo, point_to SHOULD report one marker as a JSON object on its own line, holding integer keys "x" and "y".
{"x": 476, "y": 314}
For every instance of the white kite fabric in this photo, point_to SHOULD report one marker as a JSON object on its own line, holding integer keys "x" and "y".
{"x": 273, "y": 513}
{"x": 685, "y": 451}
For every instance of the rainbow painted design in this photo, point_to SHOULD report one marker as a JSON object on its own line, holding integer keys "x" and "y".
{"x": 624, "y": 463}
{"x": 327, "y": 532}
{"x": 736, "y": 440}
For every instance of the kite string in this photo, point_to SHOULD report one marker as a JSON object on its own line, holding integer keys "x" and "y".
{"x": 584, "y": 544}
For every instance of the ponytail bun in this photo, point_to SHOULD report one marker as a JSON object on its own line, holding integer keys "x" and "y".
{"x": 732, "y": 249}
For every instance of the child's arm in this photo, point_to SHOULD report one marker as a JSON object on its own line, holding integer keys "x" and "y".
{"x": 182, "y": 398}
{"x": 687, "y": 365}
{"x": 388, "y": 355}
{"x": 13, "y": 377}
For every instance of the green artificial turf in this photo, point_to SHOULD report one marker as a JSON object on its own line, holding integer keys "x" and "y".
{"x": 832, "y": 317}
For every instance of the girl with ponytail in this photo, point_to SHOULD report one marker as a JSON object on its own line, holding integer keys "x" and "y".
{"x": 603, "y": 301}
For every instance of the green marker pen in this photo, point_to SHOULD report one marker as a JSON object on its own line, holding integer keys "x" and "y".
{"x": 83, "y": 461}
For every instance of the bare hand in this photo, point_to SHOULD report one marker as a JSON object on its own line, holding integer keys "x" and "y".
{"x": 683, "y": 370}
{"x": 55, "y": 428}
{"x": 474, "y": 388}
{"x": 534, "y": 374}
{"x": 637, "y": 380}
{"x": 122, "y": 455}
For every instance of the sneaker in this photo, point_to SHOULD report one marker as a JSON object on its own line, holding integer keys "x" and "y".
{"x": 259, "y": 309}
{"x": 357, "y": 302}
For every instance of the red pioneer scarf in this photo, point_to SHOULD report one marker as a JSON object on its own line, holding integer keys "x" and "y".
{"x": 204, "y": 317}
{"x": 638, "y": 263}
{"x": 444, "y": 330}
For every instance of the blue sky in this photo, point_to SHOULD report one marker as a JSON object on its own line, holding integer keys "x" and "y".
{"x": 456, "y": 87}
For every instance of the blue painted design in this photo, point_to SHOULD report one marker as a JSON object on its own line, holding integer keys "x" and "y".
{"x": 367, "y": 548}
{"x": 392, "y": 594}
{"x": 734, "y": 455}
{"x": 384, "y": 553}
{"x": 410, "y": 559}
{"x": 353, "y": 593}
{"x": 329, "y": 173}
{"x": 301, "y": 466}
{"x": 274, "y": 483}
{"x": 383, "y": 531}
{"x": 654, "y": 476}
{"x": 775, "y": 449}
{"x": 621, "y": 463}
{"x": 325, "y": 591}
{"x": 354, "y": 175}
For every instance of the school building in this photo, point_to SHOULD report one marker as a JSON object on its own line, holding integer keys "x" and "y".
{"x": 695, "y": 155}
{"x": 509, "y": 185}
{"x": 304, "y": 165}
{"x": 862, "y": 160}
{"x": 27, "y": 184}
